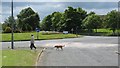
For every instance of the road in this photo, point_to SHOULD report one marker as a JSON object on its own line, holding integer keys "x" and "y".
{"x": 85, "y": 51}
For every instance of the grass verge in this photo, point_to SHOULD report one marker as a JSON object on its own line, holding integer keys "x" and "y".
{"x": 101, "y": 32}
{"x": 27, "y": 36}
{"x": 19, "y": 57}
{"x": 0, "y": 58}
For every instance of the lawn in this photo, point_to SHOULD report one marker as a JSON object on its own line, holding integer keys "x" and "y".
{"x": 0, "y": 58}
{"x": 27, "y": 36}
{"x": 101, "y": 32}
{"x": 104, "y": 30}
{"x": 51, "y": 35}
{"x": 19, "y": 57}
{"x": 107, "y": 32}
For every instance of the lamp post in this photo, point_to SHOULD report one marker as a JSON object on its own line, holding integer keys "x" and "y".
{"x": 118, "y": 20}
{"x": 12, "y": 37}
{"x": 118, "y": 34}
{"x": 118, "y": 25}
{"x": 118, "y": 16}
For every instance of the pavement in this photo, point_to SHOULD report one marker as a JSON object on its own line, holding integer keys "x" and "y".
{"x": 85, "y": 51}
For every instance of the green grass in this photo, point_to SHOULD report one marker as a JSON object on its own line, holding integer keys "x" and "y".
{"x": 19, "y": 57}
{"x": 101, "y": 32}
{"x": 104, "y": 30}
{"x": 0, "y": 58}
{"x": 27, "y": 36}
{"x": 107, "y": 32}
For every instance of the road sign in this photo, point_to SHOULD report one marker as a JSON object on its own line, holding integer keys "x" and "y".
{"x": 37, "y": 30}
{"x": 65, "y": 32}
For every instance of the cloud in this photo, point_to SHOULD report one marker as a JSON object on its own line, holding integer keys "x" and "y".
{"x": 100, "y": 11}
{"x": 57, "y": 6}
{"x": 0, "y": 18}
{"x": 86, "y": 0}
{"x": 61, "y": 0}
{"x": 45, "y": 8}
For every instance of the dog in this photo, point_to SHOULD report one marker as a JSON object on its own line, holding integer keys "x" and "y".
{"x": 59, "y": 46}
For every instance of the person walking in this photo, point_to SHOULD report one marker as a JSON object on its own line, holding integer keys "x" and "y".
{"x": 32, "y": 42}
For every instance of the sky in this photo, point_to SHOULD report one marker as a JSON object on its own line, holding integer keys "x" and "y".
{"x": 62, "y": 0}
{"x": 46, "y": 7}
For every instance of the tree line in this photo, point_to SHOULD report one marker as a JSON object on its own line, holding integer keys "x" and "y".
{"x": 27, "y": 20}
{"x": 72, "y": 20}
{"x": 77, "y": 19}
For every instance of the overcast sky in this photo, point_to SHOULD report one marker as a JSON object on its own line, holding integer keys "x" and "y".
{"x": 50, "y": 6}
{"x": 62, "y": 0}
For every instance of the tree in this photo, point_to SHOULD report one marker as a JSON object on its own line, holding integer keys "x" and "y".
{"x": 28, "y": 19}
{"x": 0, "y": 25}
{"x": 7, "y": 30}
{"x": 112, "y": 20}
{"x": 4, "y": 25}
{"x": 8, "y": 23}
{"x": 103, "y": 21}
{"x": 73, "y": 18}
{"x": 70, "y": 19}
{"x": 92, "y": 22}
{"x": 91, "y": 13}
{"x": 56, "y": 17}
{"x": 61, "y": 24}
{"x": 46, "y": 23}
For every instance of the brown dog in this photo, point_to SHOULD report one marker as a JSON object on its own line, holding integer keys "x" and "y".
{"x": 59, "y": 46}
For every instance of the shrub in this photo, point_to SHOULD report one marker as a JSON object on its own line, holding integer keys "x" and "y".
{"x": 7, "y": 30}
{"x": 17, "y": 31}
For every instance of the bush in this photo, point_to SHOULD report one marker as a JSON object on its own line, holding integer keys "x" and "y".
{"x": 17, "y": 31}
{"x": 7, "y": 30}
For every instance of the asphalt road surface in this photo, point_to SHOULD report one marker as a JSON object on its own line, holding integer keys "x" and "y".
{"x": 85, "y": 51}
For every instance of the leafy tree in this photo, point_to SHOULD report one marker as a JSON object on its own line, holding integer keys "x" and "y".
{"x": 82, "y": 12}
{"x": 70, "y": 19}
{"x": 51, "y": 22}
{"x": 46, "y": 23}
{"x": 0, "y": 27}
{"x": 112, "y": 20}
{"x": 56, "y": 17}
{"x": 20, "y": 24}
{"x": 103, "y": 21}
{"x": 28, "y": 19}
{"x": 91, "y": 13}
{"x": 61, "y": 24}
{"x": 92, "y": 22}
{"x": 8, "y": 23}
{"x": 4, "y": 25}
{"x": 73, "y": 18}
{"x": 7, "y": 30}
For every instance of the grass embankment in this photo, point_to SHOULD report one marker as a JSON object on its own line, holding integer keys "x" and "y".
{"x": 0, "y": 58}
{"x": 19, "y": 57}
{"x": 101, "y": 32}
{"x": 42, "y": 36}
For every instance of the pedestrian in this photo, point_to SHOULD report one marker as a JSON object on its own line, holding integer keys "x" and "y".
{"x": 32, "y": 42}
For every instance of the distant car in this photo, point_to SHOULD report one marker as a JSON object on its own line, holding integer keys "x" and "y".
{"x": 65, "y": 32}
